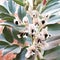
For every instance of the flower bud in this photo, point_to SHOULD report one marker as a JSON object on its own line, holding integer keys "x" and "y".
{"x": 26, "y": 20}
{"x": 45, "y": 32}
{"x": 17, "y": 22}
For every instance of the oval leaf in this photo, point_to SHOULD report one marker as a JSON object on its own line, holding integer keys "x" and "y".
{"x": 3, "y": 9}
{"x": 12, "y": 6}
{"x": 21, "y": 12}
{"x": 7, "y": 17}
{"x": 12, "y": 48}
{"x": 52, "y": 53}
{"x": 20, "y": 2}
{"x": 3, "y": 44}
{"x": 7, "y": 34}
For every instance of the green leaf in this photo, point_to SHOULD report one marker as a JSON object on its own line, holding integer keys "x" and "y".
{"x": 7, "y": 34}
{"x": 5, "y": 4}
{"x": 53, "y": 38}
{"x": 54, "y": 29}
{"x": 3, "y": 44}
{"x": 54, "y": 32}
{"x": 12, "y": 6}
{"x": 2, "y": 37}
{"x": 12, "y": 48}
{"x": 20, "y": 2}
{"x": 54, "y": 19}
{"x": 16, "y": 27}
{"x": 7, "y": 17}
{"x": 8, "y": 24}
{"x": 52, "y": 53}
{"x": 52, "y": 6}
{"x": 21, "y": 55}
{"x": 51, "y": 1}
{"x": 21, "y": 12}
{"x": 3, "y": 9}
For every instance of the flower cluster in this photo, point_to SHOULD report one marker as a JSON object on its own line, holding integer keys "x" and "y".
{"x": 37, "y": 31}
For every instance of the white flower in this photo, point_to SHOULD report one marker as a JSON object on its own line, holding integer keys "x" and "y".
{"x": 25, "y": 20}
{"x": 18, "y": 36}
{"x": 25, "y": 36}
{"x": 40, "y": 36}
{"x": 36, "y": 20}
{"x": 33, "y": 50}
{"x": 31, "y": 27}
{"x": 45, "y": 32}
{"x": 30, "y": 51}
{"x": 17, "y": 21}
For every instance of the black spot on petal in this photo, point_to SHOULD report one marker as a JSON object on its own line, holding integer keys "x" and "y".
{"x": 33, "y": 15}
{"x": 26, "y": 34}
{"x": 46, "y": 35}
{"x": 32, "y": 30}
{"x": 37, "y": 24}
{"x": 21, "y": 34}
{"x": 39, "y": 40}
{"x": 32, "y": 35}
{"x": 33, "y": 50}
{"x": 16, "y": 22}
{"x": 43, "y": 21}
